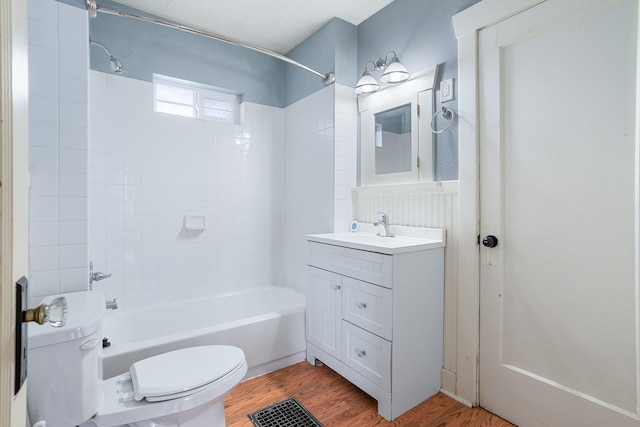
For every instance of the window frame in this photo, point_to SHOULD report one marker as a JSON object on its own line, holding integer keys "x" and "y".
{"x": 201, "y": 94}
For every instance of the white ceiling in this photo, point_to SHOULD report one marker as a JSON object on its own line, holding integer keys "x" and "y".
{"x": 279, "y": 25}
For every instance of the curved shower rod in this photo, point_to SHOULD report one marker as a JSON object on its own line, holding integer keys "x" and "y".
{"x": 93, "y": 8}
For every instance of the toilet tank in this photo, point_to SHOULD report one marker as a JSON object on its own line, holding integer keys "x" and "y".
{"x": 65, "y": 364}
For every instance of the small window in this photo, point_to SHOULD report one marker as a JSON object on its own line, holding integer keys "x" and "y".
{"x": 176, "y": 100}
{"x": 188, "y": 99}
{"x": 217, "y": 109}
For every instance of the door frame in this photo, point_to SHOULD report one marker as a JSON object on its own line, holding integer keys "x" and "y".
{"x": 14, "y": 194}
{"x": 466, "y": 26}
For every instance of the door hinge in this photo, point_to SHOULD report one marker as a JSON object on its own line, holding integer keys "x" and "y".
{"x": 418, "y": 161}
{"x": 418, "y": 110}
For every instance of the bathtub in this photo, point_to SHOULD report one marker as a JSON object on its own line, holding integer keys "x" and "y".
{"x": 267, "y": 323}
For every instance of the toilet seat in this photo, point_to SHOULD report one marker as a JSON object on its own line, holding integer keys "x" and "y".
{"x": 182, "y": 372}
{"x": 117, "y": 409}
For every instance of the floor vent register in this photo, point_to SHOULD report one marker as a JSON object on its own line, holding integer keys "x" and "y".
{"x": 288, "y": 413}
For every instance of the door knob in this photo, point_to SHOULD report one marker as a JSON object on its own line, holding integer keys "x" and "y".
{"x": 490, "y": 241}
{"x": 54, "y": 313}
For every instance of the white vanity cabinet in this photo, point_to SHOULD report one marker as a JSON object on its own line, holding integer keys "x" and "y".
{"x": 376, "y": 318}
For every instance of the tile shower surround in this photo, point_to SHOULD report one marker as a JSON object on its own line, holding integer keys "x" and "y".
{"x": 147, "y": 170}
{"x": 111, "y": 180}
{"x": 58, "y": 133}
{"x": 320, "y": 169}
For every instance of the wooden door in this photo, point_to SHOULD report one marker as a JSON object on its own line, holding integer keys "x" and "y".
{"x": 559, "y": 192}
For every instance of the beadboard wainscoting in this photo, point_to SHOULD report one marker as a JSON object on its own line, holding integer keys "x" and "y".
{"x": 423, "y": 205}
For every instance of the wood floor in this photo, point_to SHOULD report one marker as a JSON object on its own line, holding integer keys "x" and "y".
{"x": 336, "y": 402}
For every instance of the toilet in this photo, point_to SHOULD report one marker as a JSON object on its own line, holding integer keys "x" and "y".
{"x": 183, "y": 388}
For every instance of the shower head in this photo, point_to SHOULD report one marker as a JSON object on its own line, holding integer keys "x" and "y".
{"x": 116, "y": 64}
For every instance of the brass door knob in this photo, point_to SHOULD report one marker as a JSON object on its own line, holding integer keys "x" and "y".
{"x": 54, "y": 313}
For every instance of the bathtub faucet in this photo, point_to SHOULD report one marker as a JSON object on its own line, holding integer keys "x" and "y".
{"x": 112, "y": 304}
{"x": 384, "y": 222}
{"x": 96, "y": 276}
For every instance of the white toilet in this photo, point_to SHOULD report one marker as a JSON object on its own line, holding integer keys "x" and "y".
{"x": 65, "y": 388}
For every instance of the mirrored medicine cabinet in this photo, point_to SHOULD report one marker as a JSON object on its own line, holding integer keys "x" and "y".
{"x": 396, "y": 143}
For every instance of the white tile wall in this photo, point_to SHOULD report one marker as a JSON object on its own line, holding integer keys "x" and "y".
{"x": 320, "y": 158}
{"x": 308, "y": 178}
{"x": 119, "y": 198}
{"x": 345, "y": 155}
{"x": 148, "y": 170}
{"x": 58, "y": 133}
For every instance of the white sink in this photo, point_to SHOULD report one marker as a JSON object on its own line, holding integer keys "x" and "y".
{"x": 408, "y": 239}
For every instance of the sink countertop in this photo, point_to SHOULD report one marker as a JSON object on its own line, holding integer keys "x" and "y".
{"x": 408, "y": 239}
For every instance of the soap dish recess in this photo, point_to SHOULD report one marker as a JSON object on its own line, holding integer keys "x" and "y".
{"x": 195, "y": 222}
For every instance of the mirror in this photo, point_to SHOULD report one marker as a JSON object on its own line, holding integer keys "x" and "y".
{"x": 396, "y": 142}
{"x": 393, "y": 140}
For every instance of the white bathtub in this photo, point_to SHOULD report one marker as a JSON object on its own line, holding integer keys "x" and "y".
{"x": 267, "y": 323}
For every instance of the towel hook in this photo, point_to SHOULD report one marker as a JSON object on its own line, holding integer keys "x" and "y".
{"x": 447, "y": 113}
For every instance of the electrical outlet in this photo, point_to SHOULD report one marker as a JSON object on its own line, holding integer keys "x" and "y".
{"x": 446, "y": 90}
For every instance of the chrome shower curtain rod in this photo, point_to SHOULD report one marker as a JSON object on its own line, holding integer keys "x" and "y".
{"x": 93, "y": 8}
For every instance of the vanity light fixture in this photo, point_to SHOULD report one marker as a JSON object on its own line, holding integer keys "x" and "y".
{"x": 394, "y": 72}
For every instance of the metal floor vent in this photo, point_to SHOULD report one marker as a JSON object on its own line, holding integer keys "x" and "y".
{"x": 288, "y": 413}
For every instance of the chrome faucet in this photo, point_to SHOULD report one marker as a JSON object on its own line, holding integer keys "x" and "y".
{"x": 384, "y": 222}
{"x": 96, "y": 276}
{"x": 112, "y": 304}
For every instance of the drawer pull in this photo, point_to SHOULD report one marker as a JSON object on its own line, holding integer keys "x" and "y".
{"x": 361, "y": 353}
{"x": 362, "y": 305}
{"x": 335, "y": 287}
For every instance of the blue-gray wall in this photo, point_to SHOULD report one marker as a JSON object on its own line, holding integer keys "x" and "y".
{"x": 330, "y": 49}
{"x": 147, "y": 48}
{"x": 421, "y": 33}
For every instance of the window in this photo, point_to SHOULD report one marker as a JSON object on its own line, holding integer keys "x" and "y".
{"x": 188, "y": 99}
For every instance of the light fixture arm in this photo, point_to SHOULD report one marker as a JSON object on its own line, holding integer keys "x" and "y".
{"x": 374, "y": 67}
{"x": 394, "y": 58}
{"x": 381, "y": 64}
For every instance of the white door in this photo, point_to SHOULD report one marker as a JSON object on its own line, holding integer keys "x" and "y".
{"x": 559, "y": 190}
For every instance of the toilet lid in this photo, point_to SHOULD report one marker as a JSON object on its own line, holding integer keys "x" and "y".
{"x": 180, "y": 371}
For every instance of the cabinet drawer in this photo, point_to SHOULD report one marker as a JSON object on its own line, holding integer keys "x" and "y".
{"x": 368, "y": 306}
{"x": 362, "y": 265}
{"x": 368, "y": 354}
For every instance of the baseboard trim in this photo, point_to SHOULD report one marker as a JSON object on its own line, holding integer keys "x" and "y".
{"x": 465, "y": 402}
{"x": 448, "y": 380}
